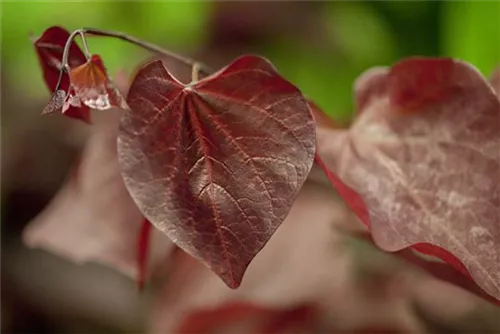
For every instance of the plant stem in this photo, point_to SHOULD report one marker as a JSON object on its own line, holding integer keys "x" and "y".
{"x": 195, "y": 71}
{"x": 65, "y": 56}
{"x": 84, "y": 43}
{"x": 150, "y": 47}
{"x": 196, "y": 66}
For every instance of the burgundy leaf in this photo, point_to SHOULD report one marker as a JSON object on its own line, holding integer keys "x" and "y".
{"x": 93, "y": 218}
{"x": 424, "y": 154}
{"x": 49, "y": 48}
{"x": 245, "y": 317}
{"x": 142, "y": 252}
{"x": 216, "y": 164}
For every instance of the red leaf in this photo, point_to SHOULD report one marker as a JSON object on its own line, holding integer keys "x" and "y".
{"x": 413, "y": 88}
{"x": 93, "y": 218}
{"x": 252, "y": 318}
{"x": 93, "y": 87}
{"x": 429, "y": 177}
{"x": 245, "y": 317}
{"x": 142, "y": 253}
{"x": 49, "y": 48}
{"x": 217, "y": 164}
{"x": 213, "y": 320}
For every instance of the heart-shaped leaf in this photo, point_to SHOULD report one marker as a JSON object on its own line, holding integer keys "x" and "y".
{"x": 216, "y": 164}
{"x": 49, "y": 48}
{"x": 424, "y": 154}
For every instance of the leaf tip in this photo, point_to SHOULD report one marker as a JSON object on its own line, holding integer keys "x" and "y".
{"x": 233, "y": 284}
{"x": 56, "y": 102}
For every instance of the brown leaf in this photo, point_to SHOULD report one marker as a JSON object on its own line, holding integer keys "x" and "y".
{"x": 93, "y": 218}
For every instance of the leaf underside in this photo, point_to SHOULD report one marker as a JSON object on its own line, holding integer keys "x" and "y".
{"x": 420, "y": 164}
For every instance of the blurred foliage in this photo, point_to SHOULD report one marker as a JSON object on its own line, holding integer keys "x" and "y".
{"x": 360, "y": 34}
{"x": 471, "y": 31}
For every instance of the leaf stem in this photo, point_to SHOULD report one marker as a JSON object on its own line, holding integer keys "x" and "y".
{"x": 150, "y": 47}
{"x": 195, "y": 73}
{"x": 196, "y": 66}
{"x": 65, "y": 56}
{"x": 84, "y": 43}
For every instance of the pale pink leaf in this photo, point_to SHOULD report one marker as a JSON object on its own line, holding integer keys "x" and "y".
{"x": 424, "y": 154}
{"x": 93, "y": 218}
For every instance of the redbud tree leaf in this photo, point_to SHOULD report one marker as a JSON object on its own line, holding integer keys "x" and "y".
{"x": 216, "y": 164}
{"x": 421, "y": 163}
{"x": 94, "y": 219}
{"x": 49, "y": 48}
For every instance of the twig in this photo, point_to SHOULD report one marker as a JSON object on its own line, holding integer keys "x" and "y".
{"x": 196, "y": 66}
{"x": 150, "y": 47}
